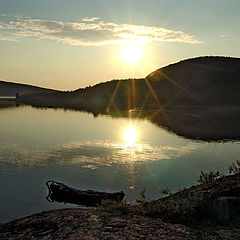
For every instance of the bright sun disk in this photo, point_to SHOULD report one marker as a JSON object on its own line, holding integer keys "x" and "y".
{"x": 131, "y": 52}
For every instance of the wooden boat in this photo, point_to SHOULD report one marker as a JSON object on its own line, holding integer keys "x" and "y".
{"x": 61, "y": 193}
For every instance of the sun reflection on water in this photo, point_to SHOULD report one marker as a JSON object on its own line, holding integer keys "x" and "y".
{"x": 130, "y": 136}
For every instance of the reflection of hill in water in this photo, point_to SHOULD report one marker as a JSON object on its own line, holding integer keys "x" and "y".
{"x": 216, "y": 123}
{"x": 208, "y": 124}
{"x": 198, "y": 98}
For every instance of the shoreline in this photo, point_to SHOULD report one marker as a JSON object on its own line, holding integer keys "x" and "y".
{"x": 93, "y": 224}
{"x": 212, "y": 123}
{"x": 147, "y": 220}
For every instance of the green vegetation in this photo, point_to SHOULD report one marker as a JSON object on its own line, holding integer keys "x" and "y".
{"x": 185, "y": 206}
{"x": 187, "y": 81}
{"x": 183, "y": 209}
{"x": 206, "y": 177}
{"x": 174, "y": 209}
{"x": 205, "y": 89}
{"x": 116, "y": 207}
{"x": 235, "y": 167}
{"x": 95, "y": 222}
{"x": 165, "y": 191}
{"x": 142, "y": 196}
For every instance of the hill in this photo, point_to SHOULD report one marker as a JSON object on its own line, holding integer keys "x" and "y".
{"x": 196, "y": 98}
{"x": 201, "y": 81}
{"x": 10, "y": 89}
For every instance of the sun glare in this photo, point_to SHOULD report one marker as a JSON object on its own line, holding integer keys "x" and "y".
{"x": 131, "y": 52}
{"x": 130, "y": 135}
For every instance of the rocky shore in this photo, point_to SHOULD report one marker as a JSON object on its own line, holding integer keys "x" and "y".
{"x": 93, "y": 224}
{"x": 149, "y": 220}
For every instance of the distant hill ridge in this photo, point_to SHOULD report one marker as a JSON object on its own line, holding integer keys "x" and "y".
{"x": 209, "y": 60}
{"x": 209, "y": 80}
{"x": 197, "y": 81}
{"x": 10, "y": 89}
{"x": 204, "y": 91}
{"x": 214, "y": 62}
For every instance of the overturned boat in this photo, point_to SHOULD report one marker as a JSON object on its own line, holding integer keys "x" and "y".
{"x": 62, "y": 193}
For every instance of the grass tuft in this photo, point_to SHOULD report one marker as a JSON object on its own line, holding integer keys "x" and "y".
{"x": 235, "y": 167}
{"x": 115, "y": 207}
{"x": 206, "y": 177}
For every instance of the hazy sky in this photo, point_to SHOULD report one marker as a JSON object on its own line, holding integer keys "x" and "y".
{"x": 67, "y": 44}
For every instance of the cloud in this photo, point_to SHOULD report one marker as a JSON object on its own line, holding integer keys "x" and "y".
{"x": 2, "y": 38}
{"x": 225, "y": 36}
{"x": 90, "y": 19}
{"x": 89, "y": 32}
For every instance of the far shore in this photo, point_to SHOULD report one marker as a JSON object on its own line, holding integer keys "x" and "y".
{"x": 196, "y": 122}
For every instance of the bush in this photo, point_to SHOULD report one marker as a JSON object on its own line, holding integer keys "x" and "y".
{"x": 115, "y": 207}
{"x": 177, "y": 209}
{"x": 206, "y": 177}
{"x": 235, "y": 167}
{"x": 142, "y": 197}
{"x": 165, "y": 191}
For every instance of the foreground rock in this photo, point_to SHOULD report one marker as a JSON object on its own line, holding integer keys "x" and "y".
{"x": 209, "y": 211}
{"x": 226, "y": 209}
{"x": 91, "y": 224}
{"x": 87, "y": 224}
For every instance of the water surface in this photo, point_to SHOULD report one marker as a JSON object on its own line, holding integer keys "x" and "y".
{"x": 86, "y": 152}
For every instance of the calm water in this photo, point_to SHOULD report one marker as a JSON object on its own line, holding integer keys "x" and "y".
{"x": 91, "y": 153}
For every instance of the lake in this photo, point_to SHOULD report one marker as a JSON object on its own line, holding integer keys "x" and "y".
{"x": 98, "y": 153}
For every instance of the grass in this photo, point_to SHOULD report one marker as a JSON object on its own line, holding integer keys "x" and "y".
{"x": 185, "y": 206}
{"x": 165, "y": 191}
{"x": 183, "y": 209}
{"x": 123, "y": 207}
{"x": 206, "y": 177}
{"x": 235, "y": 167}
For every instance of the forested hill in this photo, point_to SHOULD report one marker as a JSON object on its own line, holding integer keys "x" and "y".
{"x": 10, "y": 89}
{"x": 206, "y": 80}
{"x": 198, "y": 81}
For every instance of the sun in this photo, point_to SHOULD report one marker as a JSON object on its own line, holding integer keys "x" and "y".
{"x": 130, "y": 135}
{"x": 131, "y": 52}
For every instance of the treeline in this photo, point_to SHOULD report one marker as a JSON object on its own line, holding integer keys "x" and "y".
{"x": 199, "y": 81}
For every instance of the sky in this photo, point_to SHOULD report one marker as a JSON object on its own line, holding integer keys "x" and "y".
{"x": 70, "y": 44}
